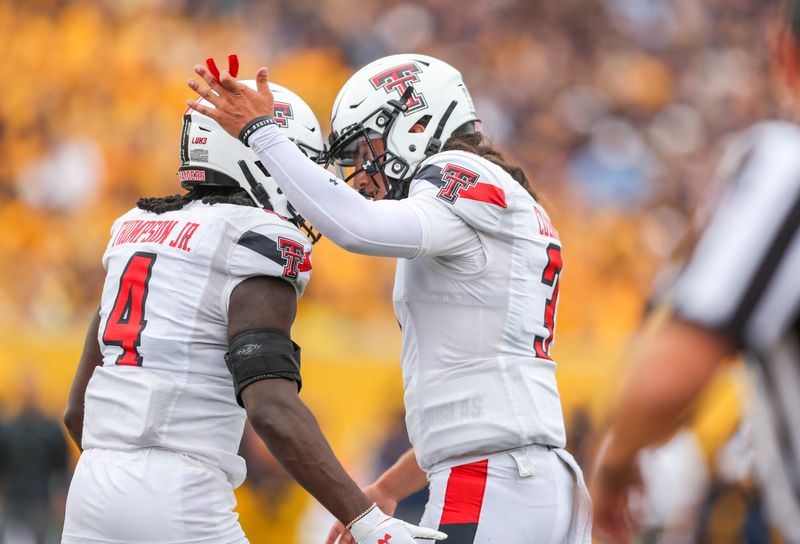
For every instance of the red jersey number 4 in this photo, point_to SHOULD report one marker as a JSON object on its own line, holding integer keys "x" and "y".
{"x": 550, "y": 276}
{"x": 126, "y": 321}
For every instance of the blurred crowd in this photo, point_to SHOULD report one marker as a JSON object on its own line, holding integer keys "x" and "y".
{"x": 616, "y": 108}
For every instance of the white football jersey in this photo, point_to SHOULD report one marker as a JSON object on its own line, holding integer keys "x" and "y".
{"x": 477, "y": 307}
{"x": 164, "y": 326}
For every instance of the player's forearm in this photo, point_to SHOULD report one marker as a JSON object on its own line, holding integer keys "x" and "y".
{"x": 403, "y": 478}
{"x": 292, "y": 434}
{"x": 91, "y": 358}
{"x": 383, "y": 228}
{"x": 670, "y": 369}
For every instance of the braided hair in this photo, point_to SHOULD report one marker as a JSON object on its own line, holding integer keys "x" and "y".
{"x": 208, "y": 195}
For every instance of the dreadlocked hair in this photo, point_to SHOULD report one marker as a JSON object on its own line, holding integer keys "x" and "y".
{"x": 208, "y": 195}
{"x": 476, "y": 143}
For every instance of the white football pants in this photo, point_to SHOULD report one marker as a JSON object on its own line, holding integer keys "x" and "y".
{"x": 532, "y": 495}
{"x": 146, "y": 496}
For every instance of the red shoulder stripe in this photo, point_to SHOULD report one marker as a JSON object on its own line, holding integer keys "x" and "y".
{"x": 485, "y": 192}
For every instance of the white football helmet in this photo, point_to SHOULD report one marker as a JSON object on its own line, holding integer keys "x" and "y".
{"x": 210, "y": 157}
{"x": 385, "y": 99}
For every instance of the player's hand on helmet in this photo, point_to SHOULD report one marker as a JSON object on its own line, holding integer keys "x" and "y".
{"x": 375, "y": 527}
{"x": 375, "y": 492}
{"x": 235, "y": 104}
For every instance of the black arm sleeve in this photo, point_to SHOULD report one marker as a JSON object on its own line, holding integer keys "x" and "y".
{"x": 262, "y": 354}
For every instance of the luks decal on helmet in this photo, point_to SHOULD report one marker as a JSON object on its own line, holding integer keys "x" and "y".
{"x": 212, "y": 158}
{"x": 386, "y": 99}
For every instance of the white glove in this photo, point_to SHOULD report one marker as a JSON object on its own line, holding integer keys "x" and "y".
{"x": 375, "y": 527}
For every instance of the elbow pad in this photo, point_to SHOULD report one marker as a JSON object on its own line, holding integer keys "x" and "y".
{"x": 260, "y": 355}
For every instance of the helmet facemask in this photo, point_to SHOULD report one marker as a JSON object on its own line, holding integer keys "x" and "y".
{"x": 391, "y": 168}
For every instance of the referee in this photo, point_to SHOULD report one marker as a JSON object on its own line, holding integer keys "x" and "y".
{"x": 738, "y": 293}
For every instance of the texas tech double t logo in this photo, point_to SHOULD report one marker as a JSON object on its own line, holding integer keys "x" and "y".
{"x": 282, "y": 112}
{"x": 397, "y": 80}
{"x": 456, "y": 179}
{"x": 293, "y": 256}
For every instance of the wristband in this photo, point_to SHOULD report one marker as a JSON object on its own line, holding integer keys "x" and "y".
{"x": 253, "y": 126}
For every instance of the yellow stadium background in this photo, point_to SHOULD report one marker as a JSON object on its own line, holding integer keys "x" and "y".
{"x": 111, "y": 75}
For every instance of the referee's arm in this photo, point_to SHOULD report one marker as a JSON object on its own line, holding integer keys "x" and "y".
{"x": 738, "y": 290}
{"x": 671, "y": 366}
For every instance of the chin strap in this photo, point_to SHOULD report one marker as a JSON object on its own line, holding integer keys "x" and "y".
{"x": 399, "y": 189}
{"x": 435, "y": 144}
{"x": 259, "y": 193}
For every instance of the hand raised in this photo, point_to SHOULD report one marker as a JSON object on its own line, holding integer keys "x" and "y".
{"x": 234, "y": 103}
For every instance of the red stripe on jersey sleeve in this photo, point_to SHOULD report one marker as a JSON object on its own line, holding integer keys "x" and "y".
{"x": 485, "y": 192}
{"x": 464, "y": 495}
{"x": 305, "y": 266}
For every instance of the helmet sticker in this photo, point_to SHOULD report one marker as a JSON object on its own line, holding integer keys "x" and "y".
{"x": 282, "y": 113}
{"x": 398, "y": 79}
{"x": 198, "y": 155}
{"x": 191, "y": 175}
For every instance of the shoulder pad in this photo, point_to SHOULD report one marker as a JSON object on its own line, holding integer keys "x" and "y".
{"x": 285, "y": 246}
{"x": 461, "y": 175}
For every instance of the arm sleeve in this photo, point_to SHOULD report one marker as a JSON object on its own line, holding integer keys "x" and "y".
{"x": 741, "y": 278}
{"x": 385, "y": 228}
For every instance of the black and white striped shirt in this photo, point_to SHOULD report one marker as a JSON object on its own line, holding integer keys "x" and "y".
{"x": 743, "y": 280}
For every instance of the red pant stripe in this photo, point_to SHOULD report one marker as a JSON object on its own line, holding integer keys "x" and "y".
{"x": 464, "y": 495}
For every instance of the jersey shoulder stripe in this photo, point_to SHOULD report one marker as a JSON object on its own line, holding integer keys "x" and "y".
{"x": 280, "y": 250}
{"x": 455, "y": 181}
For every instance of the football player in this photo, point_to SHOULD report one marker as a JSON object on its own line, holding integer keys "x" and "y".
{"x": 192, "y": 335}
{"x": 475, "y": 291}
{"x": 738, "y": 293}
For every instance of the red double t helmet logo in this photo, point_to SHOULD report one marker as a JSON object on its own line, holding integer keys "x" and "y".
{"x": 282, "y": 113}
{"x": 397, "y": 80}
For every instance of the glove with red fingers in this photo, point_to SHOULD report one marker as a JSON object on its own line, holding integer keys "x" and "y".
{"x": 375, "y": 527}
